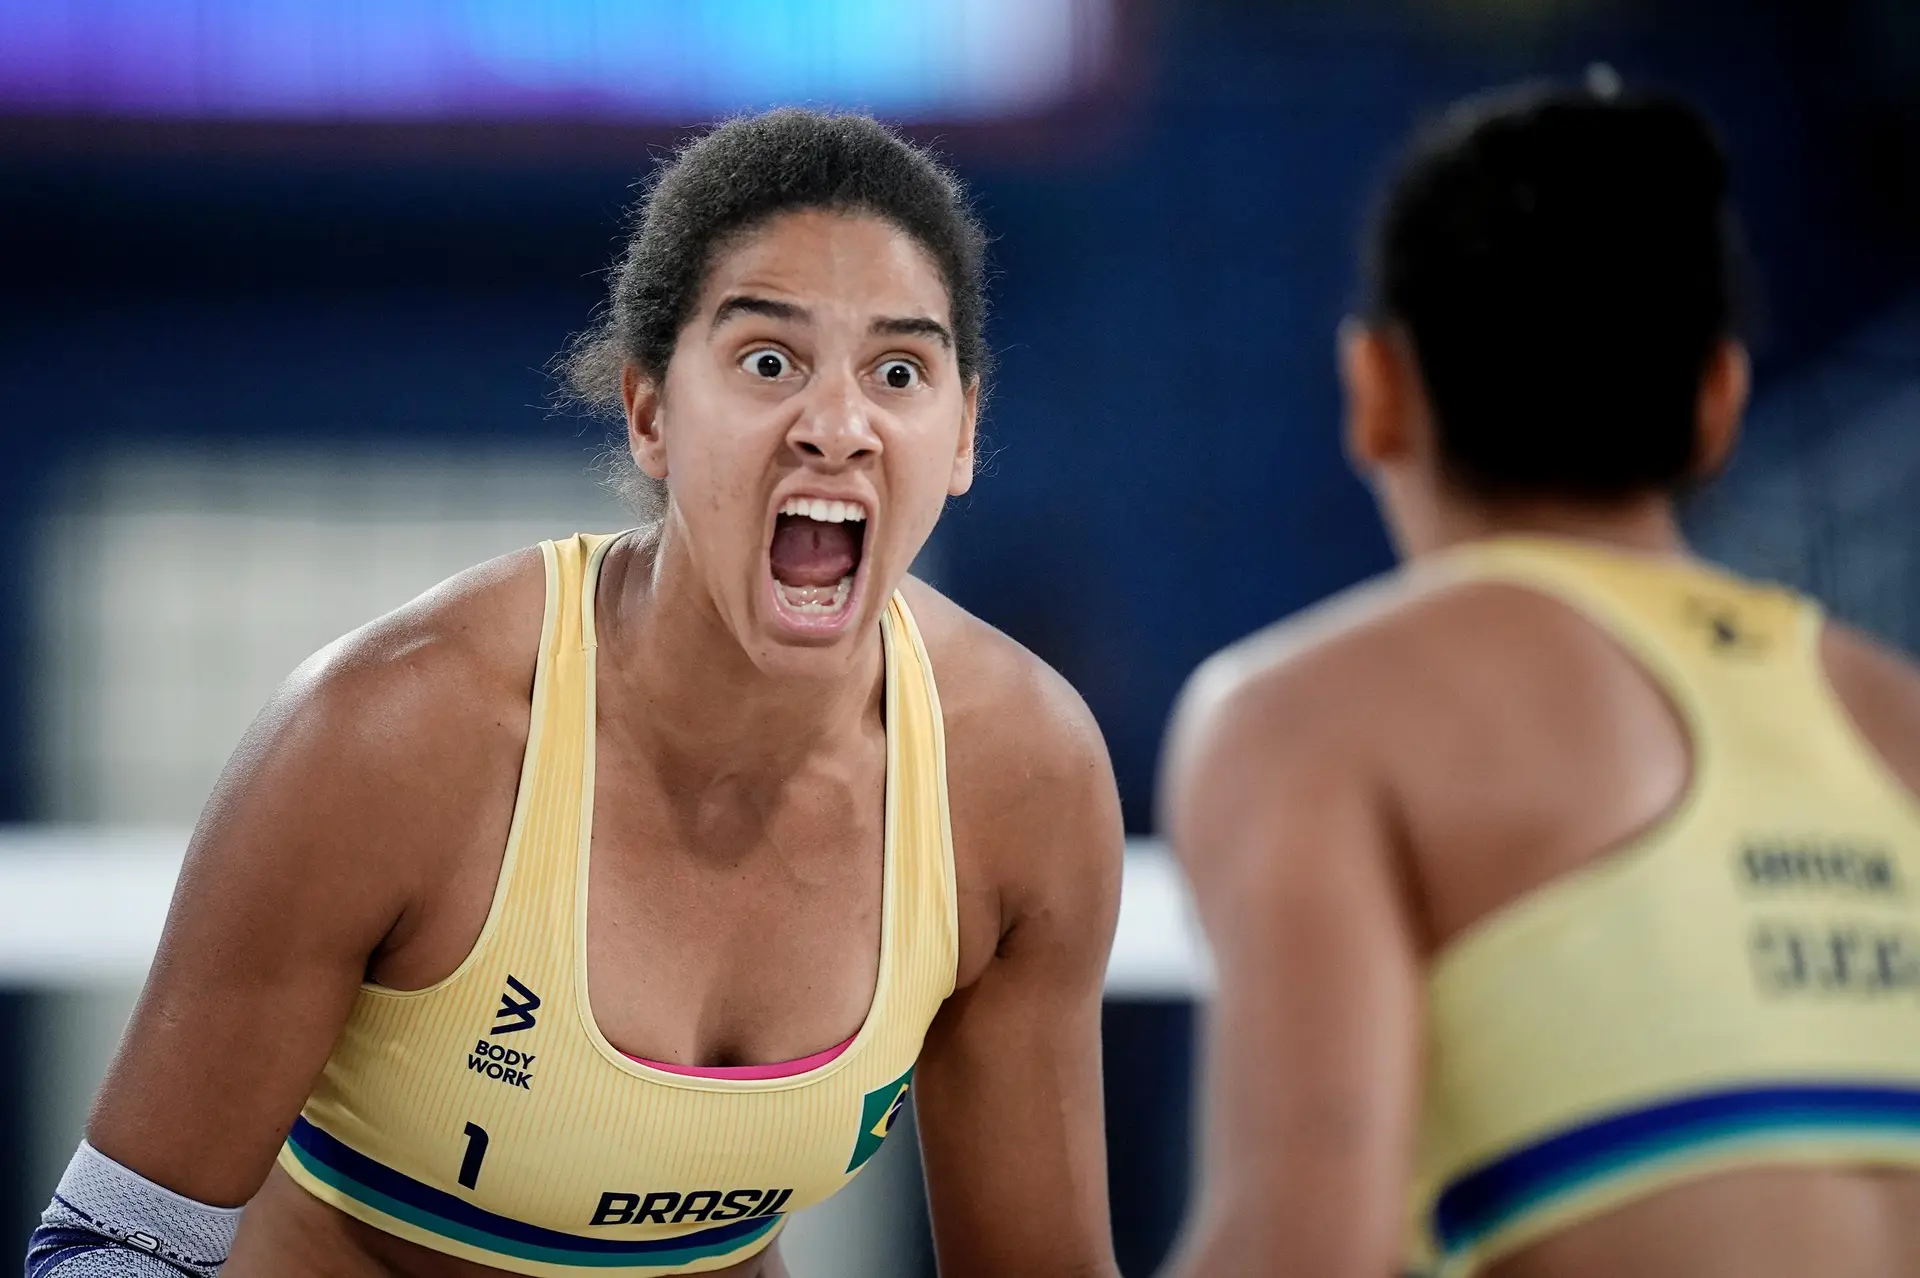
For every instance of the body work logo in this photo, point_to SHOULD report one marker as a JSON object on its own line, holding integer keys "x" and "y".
{"x": 515, "y": 1014}
{"x": 878, "y": 1111}
{"x": 508, "y": 1065}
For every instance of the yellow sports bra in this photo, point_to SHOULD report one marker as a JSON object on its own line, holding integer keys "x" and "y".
{"x": 487, "y": 1117}
{"x": 1739, "y": 985}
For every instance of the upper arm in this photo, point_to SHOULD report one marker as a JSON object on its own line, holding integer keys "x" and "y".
{"x": 314, "y": 848}
{"x": 1008, "y": 1095}
{"x": 1314, "y": 1034}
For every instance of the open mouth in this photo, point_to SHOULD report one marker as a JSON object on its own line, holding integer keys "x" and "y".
{"x": 815, "y": 558}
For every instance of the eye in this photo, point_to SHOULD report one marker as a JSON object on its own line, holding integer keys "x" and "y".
{"x": 900, "y": 374}
{"x": 770, "y": 364}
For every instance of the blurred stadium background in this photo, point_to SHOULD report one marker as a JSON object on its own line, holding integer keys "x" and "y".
{"x": 278, "y": 281}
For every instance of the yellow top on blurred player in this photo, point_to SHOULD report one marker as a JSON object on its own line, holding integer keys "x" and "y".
{"x": 1565, "y": 890}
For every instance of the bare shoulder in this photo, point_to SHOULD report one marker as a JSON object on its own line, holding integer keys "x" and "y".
{"x": 477, "y": 632}
{"x": 1383, "y": 658}
{"x": 428, "y": 675}
{"x": 381, "y": 743}
{"x": 1880, "y": 690}
{"x": 1032, "y": 789}
{"x": 1291, "y": 682}
{"x": 1344, "y": 694}
{"x": 1016, "y": 729}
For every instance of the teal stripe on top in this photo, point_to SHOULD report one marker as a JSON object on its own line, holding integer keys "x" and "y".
{"x": 1497, "y": 1194}
{"x": 394, "y": 1194}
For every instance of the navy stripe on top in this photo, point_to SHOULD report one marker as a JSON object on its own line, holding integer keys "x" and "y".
{"x": 1495, "y": 1193}
{"x": 357, "y": 1166}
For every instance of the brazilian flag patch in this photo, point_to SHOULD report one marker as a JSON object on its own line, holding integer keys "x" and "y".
{"x": 878, "y": 1111}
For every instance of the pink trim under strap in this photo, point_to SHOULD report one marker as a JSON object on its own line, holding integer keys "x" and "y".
{"x": 778, "y": 1069}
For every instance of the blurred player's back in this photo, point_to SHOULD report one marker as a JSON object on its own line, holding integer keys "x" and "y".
{"x": 1662, "y": 850}
{"x": 1565, "y": 890}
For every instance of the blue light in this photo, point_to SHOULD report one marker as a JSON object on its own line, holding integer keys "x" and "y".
{"x": 500, "y": 59}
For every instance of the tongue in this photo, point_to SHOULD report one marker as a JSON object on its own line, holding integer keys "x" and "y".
{"x": 807, "y": 552}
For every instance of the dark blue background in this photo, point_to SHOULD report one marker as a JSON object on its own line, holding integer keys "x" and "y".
{"x": 1165, "y": 471}
{"x": 1171, "y": 265}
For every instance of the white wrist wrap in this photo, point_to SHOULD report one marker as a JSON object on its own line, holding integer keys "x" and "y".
{"x": 137, "y": 1228}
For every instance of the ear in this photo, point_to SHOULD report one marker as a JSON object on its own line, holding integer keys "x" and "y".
{"x": 963, "y": 458}
{"x": 1723, "y": 401}
{"x": 644, "y": 422}
{"x": 1382, "y": 398}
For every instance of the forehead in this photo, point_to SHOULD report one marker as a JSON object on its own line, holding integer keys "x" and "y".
{"x": 853, "y": 263}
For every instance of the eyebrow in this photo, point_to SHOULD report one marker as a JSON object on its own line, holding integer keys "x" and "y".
{"x": 747, "y": 304}
{"x": 887, "y": 326}
{"x": 913, "y": 326}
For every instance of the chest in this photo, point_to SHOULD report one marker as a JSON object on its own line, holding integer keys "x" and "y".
{"x": 739, "y": 920}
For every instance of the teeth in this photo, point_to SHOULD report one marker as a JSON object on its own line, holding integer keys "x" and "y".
{"x": 816, "y": 600}
{"x": 827, "y": 512}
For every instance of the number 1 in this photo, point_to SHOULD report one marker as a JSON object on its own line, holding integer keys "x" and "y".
{"x": 476, "y": 1151}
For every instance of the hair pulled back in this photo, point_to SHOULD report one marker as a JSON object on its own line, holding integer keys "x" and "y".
{"x": 731, "y": 181}
{"x": 1565, "y": 263}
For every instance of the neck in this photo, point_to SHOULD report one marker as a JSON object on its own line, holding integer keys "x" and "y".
{"x": 1646, "y": 524}
{"x": 691, "y": 695}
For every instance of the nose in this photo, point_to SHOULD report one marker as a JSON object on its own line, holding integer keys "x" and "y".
{"x": 834, "y": 427}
